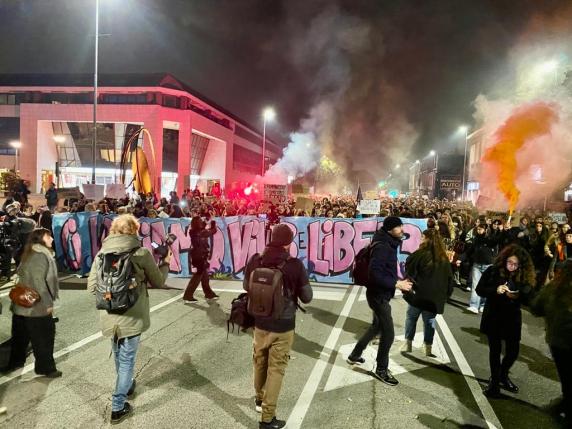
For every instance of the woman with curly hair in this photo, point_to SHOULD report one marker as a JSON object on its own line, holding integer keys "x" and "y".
{"x": 505, "y": 284}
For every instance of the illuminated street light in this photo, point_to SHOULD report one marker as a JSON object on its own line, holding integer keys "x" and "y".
{"x": 464, "y": 129}
{"x": 417, "y": 162}
{"x": 16, "y": 145}
{"x": 432, "y": 153}
{"x": 397, "y": 166}
{"x": 268, "y": 115}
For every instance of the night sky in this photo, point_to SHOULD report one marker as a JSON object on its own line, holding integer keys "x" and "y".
{"x": 398, "y": 75}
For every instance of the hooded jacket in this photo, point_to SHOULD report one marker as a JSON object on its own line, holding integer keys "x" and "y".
{"x": 383, "y": 266}
{"x": 39, "y": 272}
{"x": 295, "y": 280}
{"x": 136, "y": 320}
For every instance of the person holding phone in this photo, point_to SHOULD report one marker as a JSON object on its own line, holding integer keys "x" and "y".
{"x": 199, "y": 259}
{"x": 505, "y": 285}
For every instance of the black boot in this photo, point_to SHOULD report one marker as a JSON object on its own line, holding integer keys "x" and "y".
{"x": 119, "y": 416}
{"x": 492, "y": 390}
{"x": 507, "y": 384}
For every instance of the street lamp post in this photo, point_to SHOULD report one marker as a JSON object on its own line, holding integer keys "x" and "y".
{"x": 16, "y": 145}
{"x": 267, "y": 115}
{"x": 465, "y": 129}
{"x": 94, "y": 148}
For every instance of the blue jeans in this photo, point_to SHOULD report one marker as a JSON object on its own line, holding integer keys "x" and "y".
{"x": 476, "y": 273}
{"x": 411, "y": 318}
{"x": 124, "y": 352}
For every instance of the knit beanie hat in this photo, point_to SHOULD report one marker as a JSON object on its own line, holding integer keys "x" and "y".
{"x": 282, "y": 235}
{"x": 391, "y": 222}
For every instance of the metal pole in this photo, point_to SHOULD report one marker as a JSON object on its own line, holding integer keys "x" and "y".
{"x": 263, "y": 146}
{"x": 94, "y": 148}
{"x": 464, "y": 194}
{"x": 17, "y": 166}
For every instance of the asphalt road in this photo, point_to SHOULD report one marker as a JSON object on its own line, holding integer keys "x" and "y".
{"x": 190, "y": 376}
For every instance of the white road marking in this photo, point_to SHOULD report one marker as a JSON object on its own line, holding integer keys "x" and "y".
{"x": 77, "y": 345}
{"x": 486, "y": 409}
{"x": 305, "y": 399}
{"x": 343, "y": 375}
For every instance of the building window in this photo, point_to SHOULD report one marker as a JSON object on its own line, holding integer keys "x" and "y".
{"x": 171, "y": 101}
{"x": 7, "y": 99}
{"x": 199, "y": 146}
{"x": 247, "y": 135}
{"x": 245, "y": 160}
{"x": 170, "y": 150}
{"x": 125, "y": 99}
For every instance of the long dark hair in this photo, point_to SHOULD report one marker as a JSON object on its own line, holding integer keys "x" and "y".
{"x": 434, "y": 245}
{"x": 525, "y": 273}
{"x": 36, "y": 237}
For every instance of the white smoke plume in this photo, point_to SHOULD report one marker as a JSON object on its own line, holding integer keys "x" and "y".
{"x": 357, "y": 117}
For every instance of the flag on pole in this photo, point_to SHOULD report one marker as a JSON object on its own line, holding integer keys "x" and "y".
{"x": 359, "y": 196}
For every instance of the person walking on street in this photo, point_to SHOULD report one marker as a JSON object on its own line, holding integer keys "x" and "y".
{"x": 383, "y": 282}
{"x": 274, "y": 334}
{"x": 480, "y": 255}
{"x": 125, "y": 327}
{"x": 199, "y": 259}
{"x": 430, "y": 271}
{"x": 36, "y": 324}
{"x": 505, "y": 285}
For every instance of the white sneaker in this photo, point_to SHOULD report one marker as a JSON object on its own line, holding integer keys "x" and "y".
{"x": 473, "y": 310}
{"x": 481, "y": 309}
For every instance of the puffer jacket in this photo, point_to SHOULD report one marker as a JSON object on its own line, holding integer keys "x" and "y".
{"x": 39, "y": 272}
{"x": 137, "y": 319}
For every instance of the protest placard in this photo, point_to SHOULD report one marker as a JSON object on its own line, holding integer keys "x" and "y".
{"x": 115, "y": 190}
{"x": 93, "y": 192}
{"x": 67, "y": 193}
{"x": 370, "y": 207}
{"x": 275, "y": 193}
{"x": 561, "y": 218}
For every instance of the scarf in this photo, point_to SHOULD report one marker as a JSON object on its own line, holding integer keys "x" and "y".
{"x": 52, "y": 277}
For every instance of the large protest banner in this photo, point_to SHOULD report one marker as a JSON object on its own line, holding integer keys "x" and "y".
{"x": 327, "y": 247}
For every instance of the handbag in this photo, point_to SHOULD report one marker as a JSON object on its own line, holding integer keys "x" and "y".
{"x": 24, "y": 296}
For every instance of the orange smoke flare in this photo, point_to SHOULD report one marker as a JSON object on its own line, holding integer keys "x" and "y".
{"x": 525, "y": 123}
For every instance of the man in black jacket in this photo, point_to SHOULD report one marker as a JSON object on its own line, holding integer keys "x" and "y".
{"x": 273, "y": 338}
{"x": 383, "y": 281}
{"x": 481, "y": 254}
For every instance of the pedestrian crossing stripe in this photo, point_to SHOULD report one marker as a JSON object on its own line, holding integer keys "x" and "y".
{"x": 343, "y": 375}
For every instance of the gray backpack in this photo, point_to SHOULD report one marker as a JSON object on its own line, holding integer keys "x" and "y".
{"x": 267, "y": 295}
{"x": 116, "y": 290}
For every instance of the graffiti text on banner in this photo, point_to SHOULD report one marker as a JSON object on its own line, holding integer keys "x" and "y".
{"x": 326, "y": 246}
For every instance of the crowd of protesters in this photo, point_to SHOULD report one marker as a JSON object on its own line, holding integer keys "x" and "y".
{"x": 502, "y": 261}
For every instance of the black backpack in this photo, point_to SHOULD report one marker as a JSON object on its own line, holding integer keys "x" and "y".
{"x": 239, "y": 314}
{"x": 116, "y": 289}
{"x": 360, "y": 269}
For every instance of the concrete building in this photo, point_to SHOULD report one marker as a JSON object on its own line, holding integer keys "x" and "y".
{"x": 191, "y": 139}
